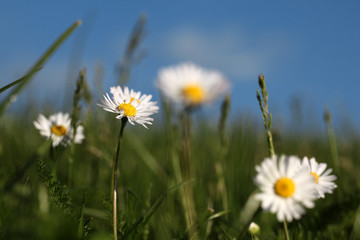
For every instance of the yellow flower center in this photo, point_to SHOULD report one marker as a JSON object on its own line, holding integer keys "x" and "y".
{"x": 194, "y": 93}
{"x": 58, "y": 130}
{"x": 284, "y": 187}
{"x": 129, "y": 110}
{"x": 316, "y": 177}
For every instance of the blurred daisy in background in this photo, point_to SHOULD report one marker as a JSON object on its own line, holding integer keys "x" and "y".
{"x": 130, "y": 104}
{"x": 324, "y": 182}
{"x": 190, "y": 85}
{"x": 58, "y": 128}
{"x": 286, "y": 187}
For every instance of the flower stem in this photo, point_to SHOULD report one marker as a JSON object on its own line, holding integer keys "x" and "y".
{"x": 224, "y": 147}
{"x": 54, "y": 159}
{"x": 286, "y": 231}
{"x": 114, "y": 174}
{"x": 188, "y": 197}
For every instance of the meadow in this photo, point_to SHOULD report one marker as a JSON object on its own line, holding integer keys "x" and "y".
{"x": 65, "y": 192}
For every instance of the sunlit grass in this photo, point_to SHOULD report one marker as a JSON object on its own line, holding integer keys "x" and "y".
{"x": 141, "y": 185}
{"x": 66, "y": 192}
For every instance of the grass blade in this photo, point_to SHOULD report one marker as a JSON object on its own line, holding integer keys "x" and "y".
{"x": 81, "y": 228}
{"x": 37, "y": 66}
{"x": 147, "y": 158}
{"x": 129, "y": 58}
{"x": 146, "y": 217}
{"x": 24, "y": 78}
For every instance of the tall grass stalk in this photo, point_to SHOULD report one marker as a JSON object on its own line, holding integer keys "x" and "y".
{"x": 53, "y": 154}
{"x": 252, "y": 205}
{"x": 129, "y": 58}
{"x": 173, "y": 134}
{"x": 75, "y": 120}
{"x": 219, "y": 169}
{"x": 114, "y": 174}
{"x": 81, "y": 227}
{"x": 266, "y": 116}
{"x": 267, "y": 119}
{"x": 146, "y": 231}
{"x": 28, "y": 75}
{"x": 188, "y": 197}
{"x": 37, "y": 66}
{"x": 332, "y": 140}
{"x": 221, "y": 191}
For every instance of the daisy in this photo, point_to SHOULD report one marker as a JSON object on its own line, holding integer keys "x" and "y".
{"x": 324, "y": 182}
{"x": 130, "y": 104}
{"x": 191, "y": 85}
{"x": 286, "y": 187}
{"x": 58, "y": 128}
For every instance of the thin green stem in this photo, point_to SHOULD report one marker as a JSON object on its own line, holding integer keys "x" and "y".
{"x": 80, "y": 83}
{"x": 332, "y": 141}
{"x": 19, "y": 87}
{"x": 175, "y": 156}
{"x": 286, "y": 231}
{"x": 71, "y": 161}
{"x": 267, "y": 117}
{"x": 129, "y": 58}
{"x": 189, "y": 205}
{"x": 270, "y": 143}
{"x": 114, "y": 174}
{"x": 219, "y": 169}
{"x": 54, "y": 159}
{"x": 186, "y": 144}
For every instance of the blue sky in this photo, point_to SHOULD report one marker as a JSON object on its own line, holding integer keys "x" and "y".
{"x": 307, "y": 50}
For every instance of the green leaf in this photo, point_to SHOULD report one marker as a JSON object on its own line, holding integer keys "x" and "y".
{"x": 57, "y": 193}
{"x": 37, "y": 66}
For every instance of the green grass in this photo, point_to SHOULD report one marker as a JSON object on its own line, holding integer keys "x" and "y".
{"x": 40, "y": 201}
{"x": 141, "y": 184}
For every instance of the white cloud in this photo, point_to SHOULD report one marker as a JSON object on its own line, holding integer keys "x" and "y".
{"x": 238, "y": 54}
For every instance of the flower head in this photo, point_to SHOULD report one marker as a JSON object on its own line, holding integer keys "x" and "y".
{"x": 286, "y": 189}
{"x": 324, "y": 182}
{"x": 58, "y": 128}
{"x": 130, "y": 104}
{"x": 191, "y": 85}
{"x": 254, "y": 229}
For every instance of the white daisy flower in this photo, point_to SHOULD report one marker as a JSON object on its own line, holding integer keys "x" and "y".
{"x": 130, "y": 104}
{"x": 191, "y": 85}
{"x": 324, "y": 182}
{"x": 286, "y": 187}
{"x": 58, "y": 128}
